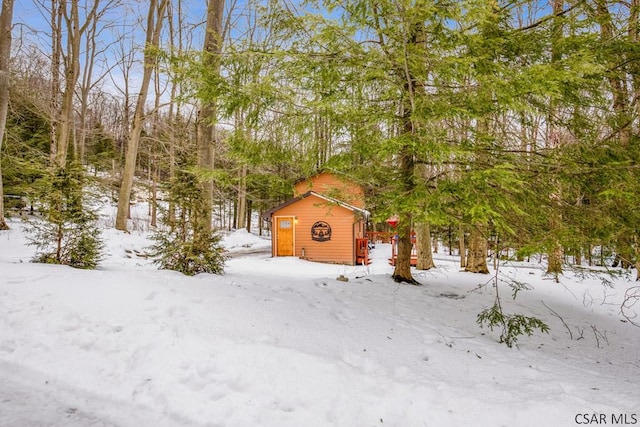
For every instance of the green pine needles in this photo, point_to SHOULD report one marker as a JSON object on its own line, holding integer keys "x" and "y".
{"x": 513, "y": 325}
{"x": 184, "y": 243}
{"x": 68, "y": 235}
{"x": 68, "y": 243}
{"x": 177, "y": 251}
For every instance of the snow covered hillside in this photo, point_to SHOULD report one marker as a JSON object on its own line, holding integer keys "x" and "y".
{"x": 281, "y": 342}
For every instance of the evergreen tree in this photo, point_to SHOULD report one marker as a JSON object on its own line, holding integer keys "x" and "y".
{"x": 180, "y": 245}
{"x": 69, "y": 235}
{"x": 26, "y": 152}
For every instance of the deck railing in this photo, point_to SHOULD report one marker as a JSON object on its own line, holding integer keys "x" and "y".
{"x": 394, "y": 250}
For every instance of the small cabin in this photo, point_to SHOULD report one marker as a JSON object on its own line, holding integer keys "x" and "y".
{"x": 325, "y": 221}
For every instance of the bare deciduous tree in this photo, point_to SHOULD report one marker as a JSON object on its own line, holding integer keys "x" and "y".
{"x": 155, "y": 20}
{"x": 74, "y": 32}
{"x": 5, "y": 52}
{"x": 91, "y": 76}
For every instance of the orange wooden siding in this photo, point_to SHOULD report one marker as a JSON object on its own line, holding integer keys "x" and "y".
{"x": 332, "y": 186}
{"x": 345, "y": 228}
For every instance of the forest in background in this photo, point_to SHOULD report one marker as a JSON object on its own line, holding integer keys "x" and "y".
{"x": 509, "y": 126}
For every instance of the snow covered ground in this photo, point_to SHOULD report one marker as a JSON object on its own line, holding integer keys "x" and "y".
{"x": 281, "y": 342}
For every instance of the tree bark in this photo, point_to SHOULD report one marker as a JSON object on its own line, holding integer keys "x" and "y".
{"x": 555, "y": 257}
{"x": 406, "y": 169}
{"x": 56, "y": 60}
{"x": 423, "y": 247}
{"x": 249, "y": 214}
{"x": 75, "y": 30}
{"x": 242, "y": 198}
{"x": 206, "y": 122}
{"x": 87, "y": 82}
{"x": 154, "y": 198}
{"x": 154, "y": 25}
{"x": 462, "y": 248}
{"x": 175, "y": 47}
{"x": 555, "y": 251}
{"x": 407, "y": 164}
{"x": 402, "y": 270}
{"x": 478, "y": 249}
{"x": 6, "y": 17}
{"x": 634, "y": 37}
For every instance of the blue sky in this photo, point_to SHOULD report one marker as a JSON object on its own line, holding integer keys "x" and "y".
{"x": 32, "y": 28}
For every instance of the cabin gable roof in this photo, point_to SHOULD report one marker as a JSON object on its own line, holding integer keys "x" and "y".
{"x": 332, "y": 185}
{"x": 268, "y": 214}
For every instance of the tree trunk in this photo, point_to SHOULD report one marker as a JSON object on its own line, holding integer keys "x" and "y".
{"x": 242, "y": 198}
{"x": 206, "y": 122}
{"x": 554, "y": 267}
{"x": 634, "y": 38}
{"x": 234, "y": 220}
{"x": 423, "y": 247}
{"x": 66, "y": 119}
{"x": 56, "y": 60}
{"x": 154, "y": 198}
{"x": 75, "y": 30}
{"x": 152, "y": 40}
{"x": 249, "y": 214}
{"x": 406, "y": 170}
{"x": 5, "y": 52}
{"x": 556, "y": 253}
{"x": 3, "y": 221}
{"x": 402, "y": 271}
{"x": 478, "y": 249}
{"x": 85, "y": 87}
{"x": 555, "y": 250}
{"x": 176, "y": 34}
{"x": 463, "y": 249}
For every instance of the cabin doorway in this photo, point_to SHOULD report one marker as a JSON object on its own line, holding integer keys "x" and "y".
{"x": 284, "y": 236}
